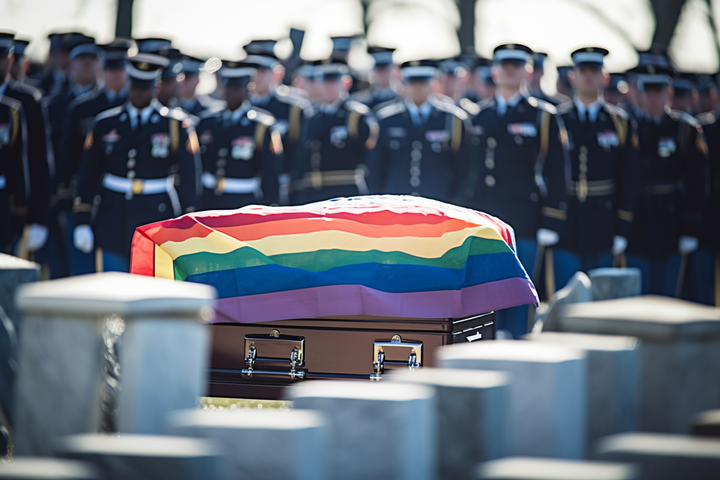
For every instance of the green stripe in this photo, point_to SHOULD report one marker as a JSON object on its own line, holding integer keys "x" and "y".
{"x": 244, "y": 257}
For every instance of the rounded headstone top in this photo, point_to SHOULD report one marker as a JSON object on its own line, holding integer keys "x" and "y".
{"x": 613, "y": 272}
{"x": 512, "y": 351}
{"x": 8, "y": 262}
{"x": 152, "y": 446}
{"x": 660, "y": 444}
{"x": 450, "y": 377}
{"x": 115, "y": 293}
{"x": 37, "y": 468}
{"x": 382, "y": 391}
{"x": 526, "y": 468}
{"x": 585, "y": 341}
{"x": 246, "y": 419}
{"x": 643, "y": 317}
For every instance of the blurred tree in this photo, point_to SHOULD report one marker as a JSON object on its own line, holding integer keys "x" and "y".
{"x": 123, "y": 24}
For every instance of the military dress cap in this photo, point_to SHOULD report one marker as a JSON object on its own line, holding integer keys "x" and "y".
{"x": 7, "y": 43}
{"x": 160, "y": 46}
{"x": 262, "y": 53}
{"x": 563, "y": 72}
{"x": 332, "y": 68}
{"x": 684, "y": 83}
{"x": 589, "y": 56}
{"x": 454, "y": 66}
{"x": 652, "y": 77}
{"x": 705, "y": 83}
{"x": 306, "y": 70}
{"x": 512, "y": 52}
{"x": 116, "y": 53}
{"x": 84, "y": 45}
{"x": 20, "y": 46}
{"x": 145, "y": 68}
{"x": 383, "y": 56}
{"x": 191, "y": 65}
{"x": 656, "y": 56}
{"x": 237, "y": 72}
{"x": 419, "y": 70}
{"x": 63, "y": 41}
{"x": 175, "y": 66}
{"x": 538, "y": 58}
{"x": 618, "y": 83}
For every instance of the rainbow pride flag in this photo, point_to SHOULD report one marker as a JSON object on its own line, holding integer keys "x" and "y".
{"x": 388, "y": 256}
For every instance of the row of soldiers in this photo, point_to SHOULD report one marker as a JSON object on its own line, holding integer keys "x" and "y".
{"x": 609, "y": 175}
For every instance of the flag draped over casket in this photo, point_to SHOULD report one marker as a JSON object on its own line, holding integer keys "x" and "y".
{"x": 388, "y": 256}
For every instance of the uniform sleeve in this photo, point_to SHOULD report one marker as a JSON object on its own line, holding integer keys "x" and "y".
{"x": 38, "y": 164}
{"x": 67, "y": 159}
{"x": 627, "y": 180}
{"x": 272, "y": 161}
{"x": 696, "y": 180}
{"x": 377, "y": 162}
{"x": 553, "y": 174}
{"x": 300, "y": 161}
{"x": 89, "y": 178}
{"x": 292, "y": 137}
{"x": 189, "y": 167}
{"x": 460, "y": 148}
{"x": 17, "y": 170}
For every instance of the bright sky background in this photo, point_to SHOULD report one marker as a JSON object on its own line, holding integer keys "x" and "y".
{"x": 418, "y": 28}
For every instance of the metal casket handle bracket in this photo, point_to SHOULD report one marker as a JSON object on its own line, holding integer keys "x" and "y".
{"x": 380, "y": 347}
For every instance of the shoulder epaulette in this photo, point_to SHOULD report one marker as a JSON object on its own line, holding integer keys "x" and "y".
{"x": 615, "y": 110}
{"x": 565, "y": 107}
{"x": 684, "y": 117}
{"x": 261, "y": 116}
{"x": 27, "y": 89}
{"x": 542, "y": 105}
{"x": 450, "y": 108}
{"x": 707, "y": 118}
{"x": 85, "y": 97}
{"x": 361, "y": 108}
{"x": 113, "y": 112}
{"x": 291, "y": 96}
{"x": 485, "y": 104}
{"x": 390, "y": 110}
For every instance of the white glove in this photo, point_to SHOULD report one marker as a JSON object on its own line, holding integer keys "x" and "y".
{"x": 36, "y": 237}
{"x": 83, "y": 238}
{"x": 547, "y": 238}
{"x": 619, "y": 245}
{"x": 687, "y": 245}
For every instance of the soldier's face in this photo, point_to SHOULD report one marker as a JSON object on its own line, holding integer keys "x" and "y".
{"x": 707, "y": 101}
{"x": 587, "y": 80}
{"x": 187, "y": 85}
{"x": 115, "y": 79}
{"x": 85, "y": 68}
{"x": 263, "y": 81}
{"x": 140, "y": 96}
{"x": 381, "y": 77}
{"x": 330, "y": 90}
{"x": 655, "y": 100}
{"x": 509, "y": 74}
{"x": 418, "y": 91}
{"x": 235, "y": 94}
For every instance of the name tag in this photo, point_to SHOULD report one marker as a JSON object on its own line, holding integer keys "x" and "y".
{"x": 522, "y": 129}
{"x": 396, "y": 132}
{"x": 437, "y": 135}
{"x": 111, "y": 137}
{"x": 338, "y": 135}
{"x": 242, "y": 148}
{"x": 666, "y": 146}
{"x": 608, "y": 139}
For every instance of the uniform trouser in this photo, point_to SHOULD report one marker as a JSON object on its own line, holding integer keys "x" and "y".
{"x": 659, "y": 274}
{"x": 53, "y": 253}
{"x": 700, "y": 278}
{"x": 568, "y": 263}
{"x": 515, "y": 319}
{"x": 111, "y": 262}
{"x": 80, "y": 263}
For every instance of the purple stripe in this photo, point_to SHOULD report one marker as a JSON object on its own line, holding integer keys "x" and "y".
{"x": 336, "y": 300}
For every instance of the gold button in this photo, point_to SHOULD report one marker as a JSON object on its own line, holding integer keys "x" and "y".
{"x": 491, "y": 142}
{"x": 489, "y": 163}
{"x": 490, "y": 181}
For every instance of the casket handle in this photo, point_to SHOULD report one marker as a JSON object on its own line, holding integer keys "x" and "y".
{"x": 396, "y": 343}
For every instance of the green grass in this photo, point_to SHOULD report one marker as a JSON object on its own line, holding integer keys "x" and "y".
{"x": 235, "y": 404}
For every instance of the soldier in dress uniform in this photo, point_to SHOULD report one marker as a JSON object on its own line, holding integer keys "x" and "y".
{"x": 13, "y": 167}
{"x": 140, "y": 165}
{"x": 705, "y": 263}
{"x": 331, "y": 156}
{"x": 564, "y": 89}
{"x": 167, "y": 87}
{"x": 381, "y": 89}
{"x": 481, "y": 85}
{"x": 684, "y": 96}
{"x": 673, "y": 159}
{"x": 707, "y": 99}
{"x": 21, "y": 64}
{"x": 605, "y": 170}
{"x": 78, "y": 123}
{"x": 39, "y": 156}
{"x": 188, "y": 80}
{"x": 286, "y": 104}
{"x": 453, "y": 79}
{"x": 519, "y": 166}
{"x": 422, "y": 141}
{"x": 304, "y": 80}
{"x": 53, "y": 77}
{"x": 341, "y": 52}
{"x": 241, "y": 147}
{"x": 534, "y": 88}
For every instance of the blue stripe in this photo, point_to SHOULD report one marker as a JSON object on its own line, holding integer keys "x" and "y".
{"x": 387, "y": 278}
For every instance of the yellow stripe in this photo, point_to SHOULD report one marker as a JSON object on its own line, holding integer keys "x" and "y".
{"x": 425, "y": 247}
{"x": 545, "y": 134}
{"x": 260, "y": 136}
{"x": 294, "y": 123}
{"x": 625, "y": 215}
{"x": 15, "y": 126}
{"x": 353, "y": 121}
{"x": 554, "y": 213}
{"x": 174, "y": 135}
{"x": 620, "y": 128}
{"x": 456, "y": 134}
{"x": 99, "y": 260}
{"x": 163, "y": 264}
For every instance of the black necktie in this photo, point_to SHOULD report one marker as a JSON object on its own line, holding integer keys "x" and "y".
{"x": 587, "y": 116}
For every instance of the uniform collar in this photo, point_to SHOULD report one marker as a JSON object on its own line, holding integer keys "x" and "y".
{"x": 593, "y": 109}
{"x": 238, "y": 113}
{"x": 77, "y": 90}
{"x": 145, "y": 112}
{"x": 332, "y": 108}
{"x": 260, "y": 100}
{"x": 511, "y": 102}
{"x": 113, "y": 96}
